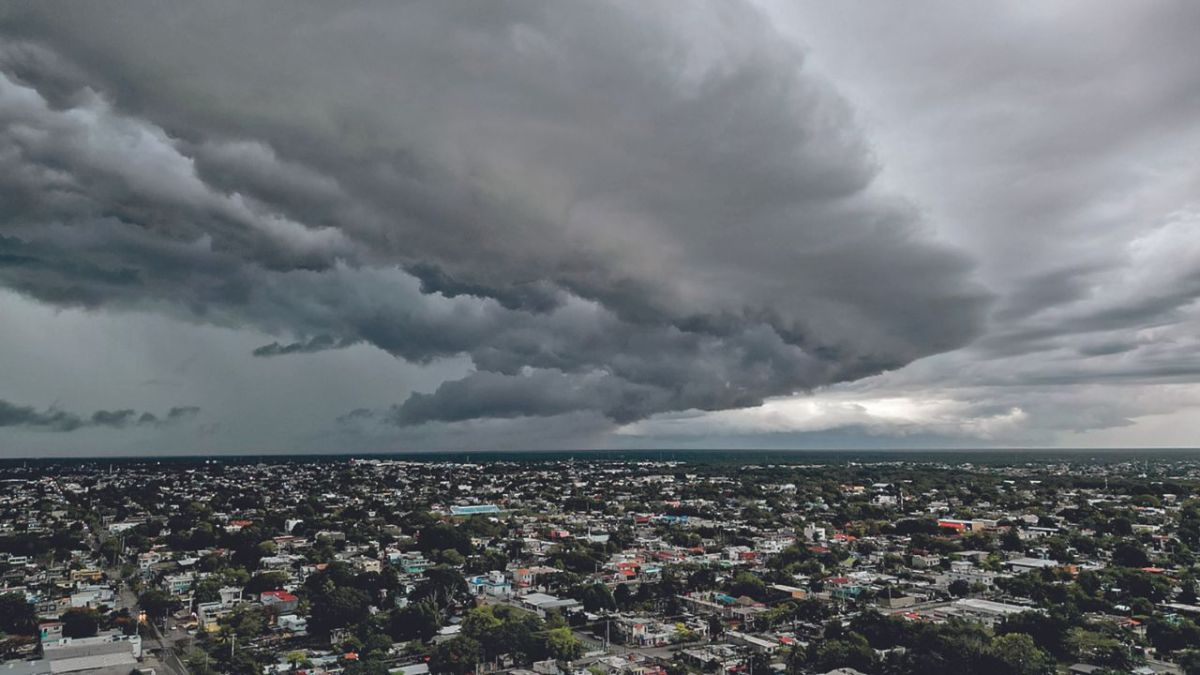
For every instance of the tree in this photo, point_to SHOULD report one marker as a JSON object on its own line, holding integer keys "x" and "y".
{"x": 482, "y": 624}
{"x": 1011, "y": 540}
{"x": 79, "y": 622}
{"x": 562, "y": 644}
{"x": 1168, "y": 636}
{"x": 247, "y": 621}
{"x": 341, "y": 606}
{"x": 157, "y": 603}
{"x": 1099, "y": 649}
{"x": 702, "y": 579}
{"x": 1049, "y": 631}
{"x": 458, "y": 656}
{"x": 1018, "y": 654}
{"x": 366, "y": 667}
{"x": 488, "y": 560}
{"x": 17, "y": 616}
{"x": 623, "y": 596}
{"x": 417, "y": 621}
{"x": 1189, "y": 661}
{"x": 243, "y": 663}
{"x": 208, "y": 589}
{"x": 852, "y": 652}
{"x": 298, "y": 659}
{"x": 441, "y": 536}
{"x": 442, "y": 584}
{"x": 266, "y": 581}
{"x": 1129, "y": 554}
{"x": 959, "y": 588}
{"x": 521, "y": 633}
{"x": 747, "y": 583}
{"x": 597, "y": 597}
{"x": 881, "y": 631}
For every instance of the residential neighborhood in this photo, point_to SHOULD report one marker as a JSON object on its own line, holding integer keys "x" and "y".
{"x": 593, "y": 566}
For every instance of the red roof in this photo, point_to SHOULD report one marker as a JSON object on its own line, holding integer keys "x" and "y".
{"x": 282, "y": 596}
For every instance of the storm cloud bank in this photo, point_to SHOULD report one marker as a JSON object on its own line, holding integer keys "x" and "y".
{"x": 54, "y": 419}
{"x": 615, "y": 208}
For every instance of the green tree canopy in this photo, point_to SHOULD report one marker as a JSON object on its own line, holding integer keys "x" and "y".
{"x": 458, "y": 656}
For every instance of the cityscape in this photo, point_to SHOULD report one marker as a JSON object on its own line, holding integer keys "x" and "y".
{"x": 600, "y": 337}
{"x": 562, "y": 565}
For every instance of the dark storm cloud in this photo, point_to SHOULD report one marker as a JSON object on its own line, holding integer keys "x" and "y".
{"x": 318, "y": 343}
{"x": 12, "y": 415}
{"x": 182, "y": 413}
{"x": 358, "y": 414}
{"x": 1067, "y": 168}
{"x": 542, "y": 394}
{"x": 620, "y": 208}
{"x": 53, "y": 419}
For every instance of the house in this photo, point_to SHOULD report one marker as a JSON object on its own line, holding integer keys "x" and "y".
{"x": 50, "y": 631}
{"x": 1021, "y": 565}
{"x": 522, "y": 576}
{"x": 365, "y": 564}
{"x": 112, "y": 650}
{"x": 925, "y": 561}
{"x": 90, "y": 576}
{"x": 960, "y": 570}
{"x": 756, "y": 644}
{"x": 493, "y": 583}
{"x": 208, "y": 614}
{"x": 93, "y": 597}
{"x": 542, "y": 603}
{"x": 149, "y": 558}
{"x": 280, "y": 602}
{"x": 230, "y": 595}
{"x": 814, "y": 532}
{"x": 413, "y": 563}
{"x": 474, "y": 509}
{"x": 292, "y": 623}
{"x": 642, "y": 631}
{"x": 179, "y": 584}
{"x": 987, "y": 612}
{"x": 789, "y": 591}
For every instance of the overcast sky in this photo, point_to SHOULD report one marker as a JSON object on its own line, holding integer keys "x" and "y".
{"x": 231, "y": 227}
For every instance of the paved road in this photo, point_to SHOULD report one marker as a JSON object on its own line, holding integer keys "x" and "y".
{"x": 157, "y": 650}
{"x": 168, "y": 657}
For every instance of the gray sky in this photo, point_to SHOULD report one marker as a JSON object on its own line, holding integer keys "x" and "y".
{"x": 296, "y": 226}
